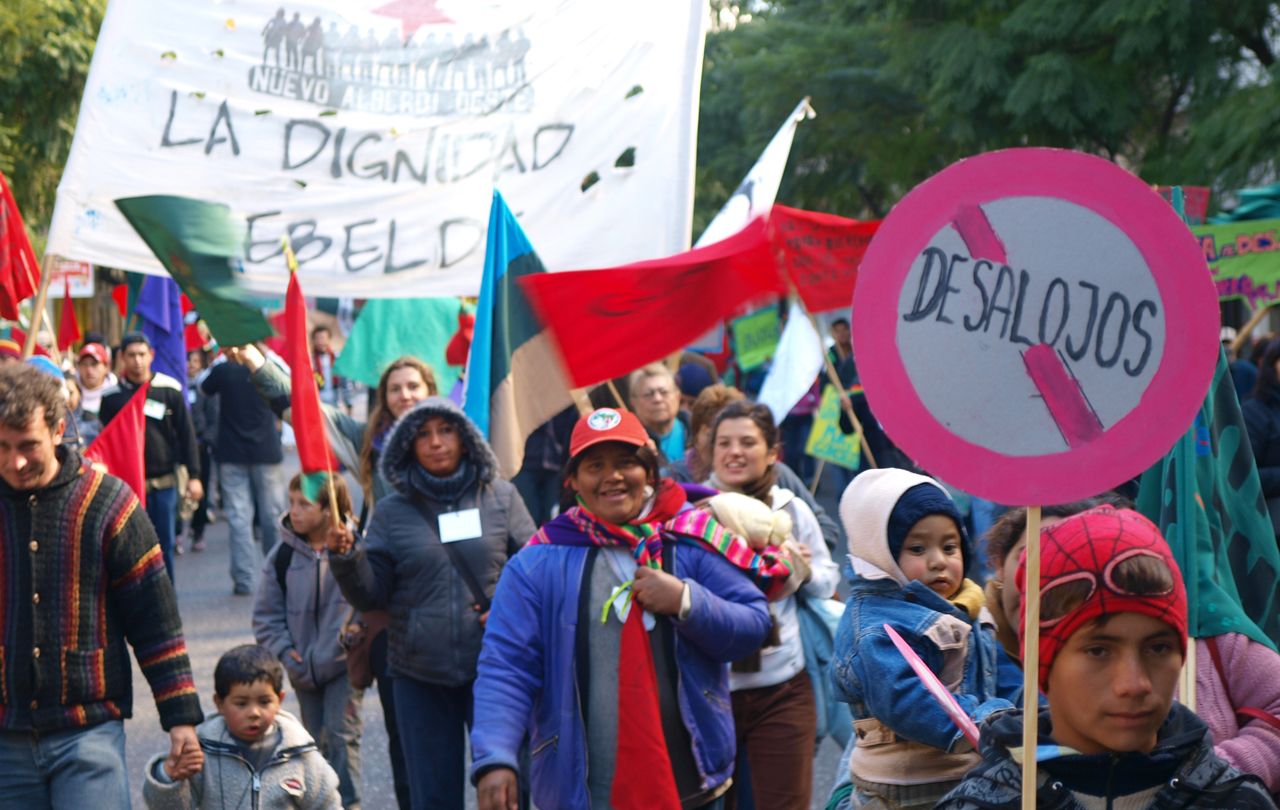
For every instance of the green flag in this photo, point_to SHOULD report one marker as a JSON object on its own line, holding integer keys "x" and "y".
{"x": 200, "y": 244}
{"x": 389, "y": 328}
{"x": 1206, "y": 498}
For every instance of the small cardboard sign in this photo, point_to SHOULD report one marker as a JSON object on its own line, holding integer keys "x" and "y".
{"x": 1035, "y": 326}
{"x": 755, "y": 337}
{"x": 79, "y": 274}
{"x": 826, "y": 441}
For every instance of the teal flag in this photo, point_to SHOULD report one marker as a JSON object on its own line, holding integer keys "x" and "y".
{"x": 1206, "y": 498}
{"x": 390, "y": 328}
{"x": 200, "y": 244}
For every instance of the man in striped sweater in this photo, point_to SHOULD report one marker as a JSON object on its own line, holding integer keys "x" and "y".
{"x": 80, "y": 572}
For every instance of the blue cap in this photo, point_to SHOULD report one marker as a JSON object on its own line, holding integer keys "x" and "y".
{"x": 47, "y": 366}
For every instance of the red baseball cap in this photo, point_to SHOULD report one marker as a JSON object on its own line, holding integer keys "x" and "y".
{"x": 97, "y": 351}
{"x": 607, "y": 425}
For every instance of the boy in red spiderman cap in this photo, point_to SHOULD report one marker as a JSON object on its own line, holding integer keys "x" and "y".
{"x": 1113, "y": 637}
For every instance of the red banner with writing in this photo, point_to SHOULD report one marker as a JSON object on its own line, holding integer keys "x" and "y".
{"x": 820, "y": 254}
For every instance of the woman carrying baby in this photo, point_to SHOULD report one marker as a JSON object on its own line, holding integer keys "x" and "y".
{"x": 773, "y": 700}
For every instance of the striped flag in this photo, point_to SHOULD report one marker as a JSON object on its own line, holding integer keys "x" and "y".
{"x": 514, "y": 382}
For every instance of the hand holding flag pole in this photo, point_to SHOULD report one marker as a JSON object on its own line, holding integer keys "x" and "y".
{"x": 308, "y": 420}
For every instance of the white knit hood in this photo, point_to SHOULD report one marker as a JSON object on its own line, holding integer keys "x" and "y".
{"x": 864, "y": 510}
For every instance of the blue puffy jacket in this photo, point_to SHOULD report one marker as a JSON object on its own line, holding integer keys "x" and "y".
{"x": 528, "y": 676}
{"x": 876, "y": 681}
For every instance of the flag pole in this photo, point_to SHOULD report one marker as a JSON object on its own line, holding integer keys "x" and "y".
{"x": 845, "y": 403}
{"x": 37, "y": 309}
{"x": 1031, "y": 662}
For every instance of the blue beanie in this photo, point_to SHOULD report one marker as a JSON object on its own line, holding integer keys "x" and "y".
{"x": 692, "y": 378}
{"x": 47, "y": 366}
{"x": 919, "y": 502}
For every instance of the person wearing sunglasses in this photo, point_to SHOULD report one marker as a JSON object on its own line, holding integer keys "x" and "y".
{"x": 1113, "y": 638}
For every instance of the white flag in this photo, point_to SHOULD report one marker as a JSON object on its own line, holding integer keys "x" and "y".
{"x": 757, "y": 191}
{"x": 373, "y": 133}
{"x": 753, "y": 198}
{"x": 796, "y": 365}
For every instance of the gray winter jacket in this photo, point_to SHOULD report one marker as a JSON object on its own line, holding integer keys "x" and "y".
{"x": 296, "y": 776}
{"x": 434, "y": 632}
{"x": 310, "y": 620}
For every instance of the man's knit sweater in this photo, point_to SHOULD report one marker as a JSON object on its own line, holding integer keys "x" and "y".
{"x": 81, "y": 571}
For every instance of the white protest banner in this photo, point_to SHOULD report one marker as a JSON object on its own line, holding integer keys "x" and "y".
{"x": 372, "y": 133}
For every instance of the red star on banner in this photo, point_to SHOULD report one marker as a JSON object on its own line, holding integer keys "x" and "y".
{"x": 413, "y": 14}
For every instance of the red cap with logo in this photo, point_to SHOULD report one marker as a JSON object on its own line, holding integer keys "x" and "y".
{"x": 97, "y": 351}
{"x": 607, "y": 425}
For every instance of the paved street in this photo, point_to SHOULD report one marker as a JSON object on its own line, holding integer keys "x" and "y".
{"x": 214, "y": 621}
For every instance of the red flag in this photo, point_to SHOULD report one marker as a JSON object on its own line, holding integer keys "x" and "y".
{"x": 19, "y": 273}
{"x": 120, "y": 444}
{"x": 642, "y": 775}
{"x": 69, "y": 327}
{"x": 308, "y": 422}
{"x": 820, "y": 254}
{"x": 609, "y": 322}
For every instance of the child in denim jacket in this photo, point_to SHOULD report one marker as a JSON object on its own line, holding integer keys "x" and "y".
{"x": 907, "y": 554}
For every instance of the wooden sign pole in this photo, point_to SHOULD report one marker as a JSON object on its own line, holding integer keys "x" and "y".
{"x": 37, "y": 309}
{"x": 845, "y": 402}
{"x": 1031, "y": 662}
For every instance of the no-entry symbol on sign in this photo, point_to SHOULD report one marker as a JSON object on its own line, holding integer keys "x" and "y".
{"x": 1035, "y": 325}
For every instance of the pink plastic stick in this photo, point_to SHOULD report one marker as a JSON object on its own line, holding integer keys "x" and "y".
{"x": 935, "y": 687}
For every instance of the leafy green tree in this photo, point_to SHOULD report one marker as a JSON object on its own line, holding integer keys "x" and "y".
{"x": 1179, "y": 91}
{"x": 45, "y": 50}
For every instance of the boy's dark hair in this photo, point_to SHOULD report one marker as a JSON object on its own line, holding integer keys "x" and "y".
{"x": 320, "y": 329}
{"x": 247, "y": 664}
{"x": 340, "y": 492}
{"x": 839, "y": 321}
{"x": 23, "y": 389}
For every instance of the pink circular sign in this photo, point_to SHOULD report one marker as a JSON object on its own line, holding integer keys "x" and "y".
{"x": 1035, "y": 326}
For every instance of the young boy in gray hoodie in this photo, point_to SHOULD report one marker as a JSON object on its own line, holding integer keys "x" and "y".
{"x": 300, "y": 616}
{"x": 255, "y": 756}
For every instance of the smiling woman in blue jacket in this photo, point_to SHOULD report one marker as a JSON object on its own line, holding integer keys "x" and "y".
{"x": 562, "y": 623}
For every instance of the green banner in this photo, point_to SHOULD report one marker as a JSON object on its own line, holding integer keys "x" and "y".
{"x": 755, "y": 337}
{"x": 825, "y": 439}
{"x": 1244, "y": 258}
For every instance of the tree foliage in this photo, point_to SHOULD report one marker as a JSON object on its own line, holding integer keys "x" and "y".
{"x": 1179, "y": 91}
{"x": 45, "y": 50}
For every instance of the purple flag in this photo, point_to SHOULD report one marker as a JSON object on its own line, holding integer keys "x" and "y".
{"x": 159, "y": 308}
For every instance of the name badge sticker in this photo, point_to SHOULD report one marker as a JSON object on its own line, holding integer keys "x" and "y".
{"x": 455, "y": 526}
{"x": 153, "y": 409}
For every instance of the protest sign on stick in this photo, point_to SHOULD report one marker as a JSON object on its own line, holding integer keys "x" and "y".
{"x": 1035, "y": 326}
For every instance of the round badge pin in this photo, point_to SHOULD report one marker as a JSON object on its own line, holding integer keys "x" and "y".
{"x": 604, "y": 419}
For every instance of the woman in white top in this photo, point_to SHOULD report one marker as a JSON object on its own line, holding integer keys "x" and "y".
{"x": 773, "y": 702}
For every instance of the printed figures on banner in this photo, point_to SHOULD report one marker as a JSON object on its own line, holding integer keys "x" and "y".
{"x": 400, "y": 70}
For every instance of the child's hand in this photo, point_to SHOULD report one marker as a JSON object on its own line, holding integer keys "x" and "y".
{"x": 186, "y": 758}
{"x": 340, "y": 540}
{"x": 294, "y": 655}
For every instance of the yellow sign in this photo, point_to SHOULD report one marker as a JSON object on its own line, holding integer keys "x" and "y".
{"x": 755, "y": 337}
{"x": 825, "y": 439}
